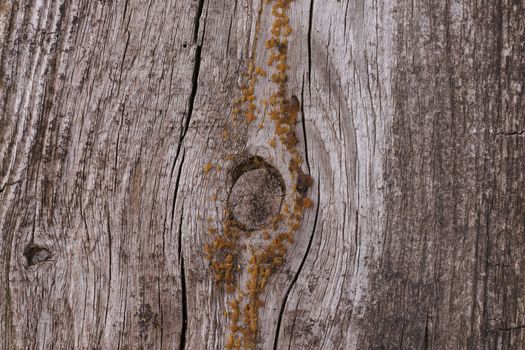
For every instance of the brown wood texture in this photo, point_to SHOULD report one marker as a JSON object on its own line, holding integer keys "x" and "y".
{"x": 412, "y": 126}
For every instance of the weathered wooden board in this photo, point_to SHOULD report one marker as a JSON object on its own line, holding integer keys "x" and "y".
{"x": 94, "y": 99}
{"x": 412, "y": 126}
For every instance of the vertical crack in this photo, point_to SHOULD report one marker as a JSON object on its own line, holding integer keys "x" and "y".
{"x": 304, "y": 128}
{"x": 191, "y": 103}
{"x": 194, "y": 86}
{"x": 182, "y": 343}
{"x": 124, "y": 55}
{"x": 161, "y": 312}
{"x": 176, "y": 192}
{"x": 125, "y": 11}
{"x": 196, "y": 69}
{"x": 296, "y": 277}
{"x": 310, "y": 21}
{"x": 229, "y": 35}
{"x": 198, "y": 20}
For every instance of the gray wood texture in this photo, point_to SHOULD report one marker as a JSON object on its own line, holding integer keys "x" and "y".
{"x": 412, "y": 125}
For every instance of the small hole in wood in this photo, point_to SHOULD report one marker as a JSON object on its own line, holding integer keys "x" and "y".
{"x": 185, "y": 45}
{"x": 256, "y": 195}
{"x": 36, "y": 254}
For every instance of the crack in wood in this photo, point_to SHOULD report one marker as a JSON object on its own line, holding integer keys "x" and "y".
{"x": 426, "y": 337}
{"x": 198, "y": 20}
{"x": 193, "y": 94}
{"x": 299, "y": 269}
{"x": 309, "y": 37}
{"x": 184, "y": 301}
{"x": 445, "y": 207}
{"x": 182, "y": 339}
{"x": 303, "y": 120}
{"x": 268, "y": 249}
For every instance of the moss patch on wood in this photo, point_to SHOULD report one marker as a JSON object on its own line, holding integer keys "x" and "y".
{"x": 258, "y": 198}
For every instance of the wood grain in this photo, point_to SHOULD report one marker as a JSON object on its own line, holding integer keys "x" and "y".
{"x": 412, "y": 126}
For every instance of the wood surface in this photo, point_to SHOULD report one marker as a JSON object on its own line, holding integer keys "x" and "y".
{"x": 412, "y": 126}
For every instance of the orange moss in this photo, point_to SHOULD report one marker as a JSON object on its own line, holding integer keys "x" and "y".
{"x": 286, "y": 236}
{"x": 207, "y": 167}
{"x": 260, "y": 71}
{"x": 290, "y": 139}
{"x": 307, "y": 202}
{"x": 281, "y": 129}
{"x": 250, "y": 117}
{"x": 270, "y": 43}
{"x": 295, "y": 226}
{"x": 223, "y": 252}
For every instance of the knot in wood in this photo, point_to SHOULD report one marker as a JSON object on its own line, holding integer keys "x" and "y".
{"x": 255, "y": 198}
{"x": 36, "y": 254}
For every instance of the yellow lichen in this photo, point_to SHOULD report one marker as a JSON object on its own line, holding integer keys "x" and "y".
{"x": 207, "y": 167}
{"x": 223, "y": 252}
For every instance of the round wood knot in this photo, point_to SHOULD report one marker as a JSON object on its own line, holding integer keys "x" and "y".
{"x": 256, "y": 197}
{"x": 36, "y": 254}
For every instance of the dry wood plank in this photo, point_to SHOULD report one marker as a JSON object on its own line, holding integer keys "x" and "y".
{"x": 114, "y": 163}
{"x": 94, "y": 98}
